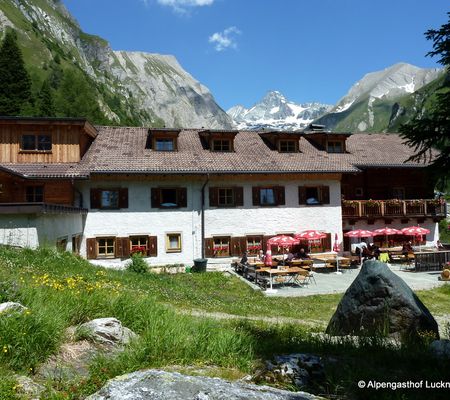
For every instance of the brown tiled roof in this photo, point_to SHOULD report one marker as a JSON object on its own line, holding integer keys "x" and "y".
{"x": 119, "y": 149}
{"x": 66, "y": 170}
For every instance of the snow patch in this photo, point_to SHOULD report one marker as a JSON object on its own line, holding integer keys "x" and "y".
{"x": 274, "y": 110}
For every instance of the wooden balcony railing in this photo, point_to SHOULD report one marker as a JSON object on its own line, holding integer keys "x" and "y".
{"x": 39, "y": 208}
{"x": 393, "y": 208}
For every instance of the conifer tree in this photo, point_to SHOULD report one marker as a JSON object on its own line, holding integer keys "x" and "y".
{"x": 45, "y": 104}
{"x": 432, "y": 131}
{"x": 15, "y": 83}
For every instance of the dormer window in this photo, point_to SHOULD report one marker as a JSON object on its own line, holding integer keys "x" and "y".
{"x": 287, "y": 146}
{"x": 162, "y": 139}
{"x": 221, "y": 145}
{"x": 164, "y": 144}
{"x": 36, "y": 143}
{"x": 218, "y": 140}
{"x": 335, "y": 147}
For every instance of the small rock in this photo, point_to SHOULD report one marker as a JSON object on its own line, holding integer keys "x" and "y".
{"x": 107, "y": 331}
{"x": 440, "y": 348}
{"x": 26, "y": 386}
{"x": 10, "y": 306}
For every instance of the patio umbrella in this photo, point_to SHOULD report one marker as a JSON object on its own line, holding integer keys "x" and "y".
{"x": 282, "y": 241}
{"x": 359, "y": 233}
{"x": 415, "y": 231}
{"x": 386, "y": 232}
{"x": 310, "y": 235}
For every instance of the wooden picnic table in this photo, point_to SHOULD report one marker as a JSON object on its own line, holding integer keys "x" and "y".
{"x": 293, "y": 272}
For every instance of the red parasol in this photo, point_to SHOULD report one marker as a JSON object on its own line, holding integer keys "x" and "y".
{"x": 310, "y": 235}
{"x": 415, "y": 231}
{"x": 359, "y": 233}
{"x": 282, "y": 241}
{"x": 386, "y": 232}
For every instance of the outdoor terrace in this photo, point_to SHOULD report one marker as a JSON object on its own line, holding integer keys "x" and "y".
{"x": 365, "y": 209}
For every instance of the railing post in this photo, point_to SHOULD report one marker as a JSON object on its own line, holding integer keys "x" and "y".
{"x": 425, "y": 207}
{"x": 382, "y": 208}
{"x": 359, "y": 209}
{"x": 404, "y": 207}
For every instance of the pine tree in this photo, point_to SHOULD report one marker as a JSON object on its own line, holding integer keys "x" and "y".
{"x": 432, "y": 131}
{"x": 76, "y": 98}
{"x": 15, "y": 83}
{"x": 45, "y": 105}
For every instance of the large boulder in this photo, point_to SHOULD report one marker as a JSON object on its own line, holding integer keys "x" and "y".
{"x": 155, "y": 385}
{"x": 10, "y": 306}
{"x": 380, "y": 302}
{"x": 107, "y": 331}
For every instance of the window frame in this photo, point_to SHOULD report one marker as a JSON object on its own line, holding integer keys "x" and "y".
{"x": 331, "y": 146}
{"x": 34, "y": 194}
{"x": 221, "y": 245}
{"x": 287, "y": 142}
{"x": 253, "y": 241}
{"x": 37, "y": 141}
{"x": 176, "y": 204}
{"x": 110, "y": 207}
{"x": 61, "y": 243}
{"x": 106, "y": 246}
{"x": 140, "y": 247}
{"x": 164, "y": 140}
{"x": 170, "y": 249}
{"x": 230, "y": 204}
{"x": 274, "y": 203}
{"x": 220, "y": 148}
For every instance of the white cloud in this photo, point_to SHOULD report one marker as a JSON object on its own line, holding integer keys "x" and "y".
{"x": 226, "y": 39}
{"x": 182, "y": 6}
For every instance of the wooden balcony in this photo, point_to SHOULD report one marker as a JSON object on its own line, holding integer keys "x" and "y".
{"x": 370, "y": 209}
{"x": 39, "y": 208}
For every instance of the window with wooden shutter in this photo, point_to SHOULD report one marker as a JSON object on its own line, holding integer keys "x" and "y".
{"x": 155, "y": 198}
{"x": 91, "y": 248}
{"x": 254, "y": 244}
{"x": 301, "y": 195}
{"x": 213, "y": 200}
{"x": 255, "y": 195}
{"x": 123, "y": 198}
{"x": 325, "y": 194}
{"x": 238, "y": 196}
{"x": 238, "y": 246}
{"x": 182, "y": 197}
{"x": 119, "y": 246}
{"x": 96, "y": 198}
{"x": 152, "y": 246}
{"x": 279, "y": 195}
{"x": 209, "y": 247}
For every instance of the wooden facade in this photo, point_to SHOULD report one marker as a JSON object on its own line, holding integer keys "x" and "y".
{"x": 387, "y": 183}
{"x": 13, "y": 189}
{"x": 69, "y": 141}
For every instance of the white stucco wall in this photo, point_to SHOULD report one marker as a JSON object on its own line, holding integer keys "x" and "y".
{"x": 140, "y": 219}
{"x": 39, "y": 230}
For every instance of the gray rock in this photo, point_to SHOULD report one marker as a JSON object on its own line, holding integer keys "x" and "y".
{"x": 380, "y": 302}
{"x": 440, "y": 348}
{"x": 159, "y": 385}
{"x": 107, "y": 331}
{"x": 10, "y": 306}
{"x": 29, "y": 388}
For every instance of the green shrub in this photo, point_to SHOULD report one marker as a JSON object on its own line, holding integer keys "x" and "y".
{"x": 137, "y": 264}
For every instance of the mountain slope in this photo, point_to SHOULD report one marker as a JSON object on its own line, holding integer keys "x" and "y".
{"x": 274, "y": 111}
{"x": 132, "y": 88}
{"x": 372, "y": 103}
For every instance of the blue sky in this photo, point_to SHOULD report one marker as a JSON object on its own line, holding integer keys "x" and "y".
{"x": 309, "y": 50}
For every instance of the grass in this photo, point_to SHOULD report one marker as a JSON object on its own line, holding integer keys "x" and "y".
{"x": 61, "y": 290}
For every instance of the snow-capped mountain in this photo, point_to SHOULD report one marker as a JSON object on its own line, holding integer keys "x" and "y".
{"x": 366, "y": 105}
{"x": 274, "y": 111}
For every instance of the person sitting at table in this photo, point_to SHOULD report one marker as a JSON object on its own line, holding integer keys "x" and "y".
{"x": 366, "y": 254}
{"x": 290, "y": 256}
{"x": 303, "y": 255}
{"x": 244, "y": 259}
{"x": 375, "y": 250}
{"x": 407, "y": 248}
{"x": 439, "y": 245}
{"x": 261, "y": 255}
